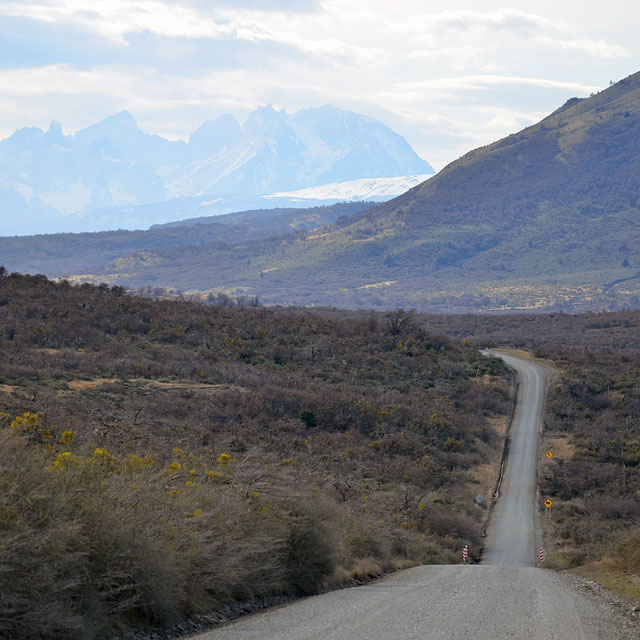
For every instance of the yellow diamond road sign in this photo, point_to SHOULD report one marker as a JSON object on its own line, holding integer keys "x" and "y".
{"x": 547, "y": 503}
{"x": 549, "y": 454}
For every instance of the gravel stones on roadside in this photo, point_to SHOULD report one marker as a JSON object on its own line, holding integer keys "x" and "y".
{"x": 628, "y": 615}
{"x": 200, "y": 623}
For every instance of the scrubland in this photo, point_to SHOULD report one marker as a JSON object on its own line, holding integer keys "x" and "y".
{"x": 164, "y": 458}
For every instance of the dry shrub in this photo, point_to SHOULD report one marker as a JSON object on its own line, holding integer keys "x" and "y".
{"x": 340, "y": 577}
{"x": 85, "y": 548}
{"x": 452, "y": 526}
{"x": 91, "y": 543}
{"x": 404, "y": 563}
{"x": 230, "y": 553}
{"x": 310, "y": 552}
{"x": 39, "y": 551}
{"x": 95, "y": 557}
{"x": 627, "y": 553}
{"x": 366, "y": 568}
{"x": 360, "y": 540}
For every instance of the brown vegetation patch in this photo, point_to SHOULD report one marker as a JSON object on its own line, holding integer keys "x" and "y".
{"x": 366, "y": 568}
{"x": 81, "y": 385}
{"x": 486, "y": 475}
{"x": 499, "y": 425}
{"x": 190, "y": 386}
{"x": 7, "y": 388}
{"x": 561, "y": 447}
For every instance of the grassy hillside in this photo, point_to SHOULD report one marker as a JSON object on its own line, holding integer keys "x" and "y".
{"x": 544, "y": 219}
{"x": 164, "y": 459}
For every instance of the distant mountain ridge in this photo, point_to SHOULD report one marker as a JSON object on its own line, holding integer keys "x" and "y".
{"x": 51, "y": 181}
{"x": 546, "y": 218}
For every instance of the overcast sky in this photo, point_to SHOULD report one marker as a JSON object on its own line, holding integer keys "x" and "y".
{"x": 449, "y": 76}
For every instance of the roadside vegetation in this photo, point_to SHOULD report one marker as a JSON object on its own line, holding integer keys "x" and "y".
{"x": 162, "y": 459}
{"x": 591, "y": 428}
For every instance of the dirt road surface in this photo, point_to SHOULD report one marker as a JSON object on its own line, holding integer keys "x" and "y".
{"x": 513, "y": 537}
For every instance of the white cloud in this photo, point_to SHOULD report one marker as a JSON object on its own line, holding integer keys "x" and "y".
{"x": 443, "y": 75}
{"x": 481, "y": 82}
{"x": 487, "y": 31}
{"x": 446, "y": 53}
{"x": 467, "y": 21}
{"x": 116, "y": 18}
{"x": 595, "y": 48}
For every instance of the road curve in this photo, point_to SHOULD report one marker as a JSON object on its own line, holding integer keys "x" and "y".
{"x": 504, "y": 597}
{"x": 513, "y": 533}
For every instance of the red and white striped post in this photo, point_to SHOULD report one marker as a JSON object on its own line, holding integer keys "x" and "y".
{"x": 541, "y": 554}
{"x": 465, "y": 552}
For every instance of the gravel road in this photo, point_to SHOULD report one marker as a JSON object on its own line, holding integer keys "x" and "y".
{"x": 513, "y": 534}
{"x": 504, "y": 597}
{"x": 453, "y": 602}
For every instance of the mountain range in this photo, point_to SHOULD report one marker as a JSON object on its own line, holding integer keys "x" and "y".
{"x": 545, "y": 219}
{"x": 94, "y": 180}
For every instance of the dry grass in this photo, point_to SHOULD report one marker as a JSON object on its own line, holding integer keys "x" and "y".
{"x": 560, "y": 446}
{"x": 366, "y": 568}
{"x": 486, "y": 476}
{"x": 189, "y": 386}
{"x": 608, "y": 574}
{"x": 499, "y": 425}
{"x": 81, "y": 385}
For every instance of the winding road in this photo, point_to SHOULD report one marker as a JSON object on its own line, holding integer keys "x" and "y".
{"x": 504, "y": 597}
{"x": 513, "y": 534}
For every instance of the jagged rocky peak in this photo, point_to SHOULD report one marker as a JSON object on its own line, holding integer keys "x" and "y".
{"x": 214, "y": 135}
{"x": 114, "y": 163}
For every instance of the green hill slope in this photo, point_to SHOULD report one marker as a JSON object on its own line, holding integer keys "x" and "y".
{"x": 545, "y": 218}
{"x": 62, "y": 253}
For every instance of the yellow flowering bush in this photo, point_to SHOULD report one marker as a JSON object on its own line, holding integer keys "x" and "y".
{"x": 224, "y": 459}
{"x": 27, "y": 421}
{"x": 104, "y": 458}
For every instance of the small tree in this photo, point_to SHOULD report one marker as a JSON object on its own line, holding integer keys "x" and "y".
{"x": 398, "y": 321}
{"x": 309, "y": 418}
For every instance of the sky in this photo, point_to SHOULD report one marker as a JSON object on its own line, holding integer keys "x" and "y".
{"x": 448, "y": 76}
